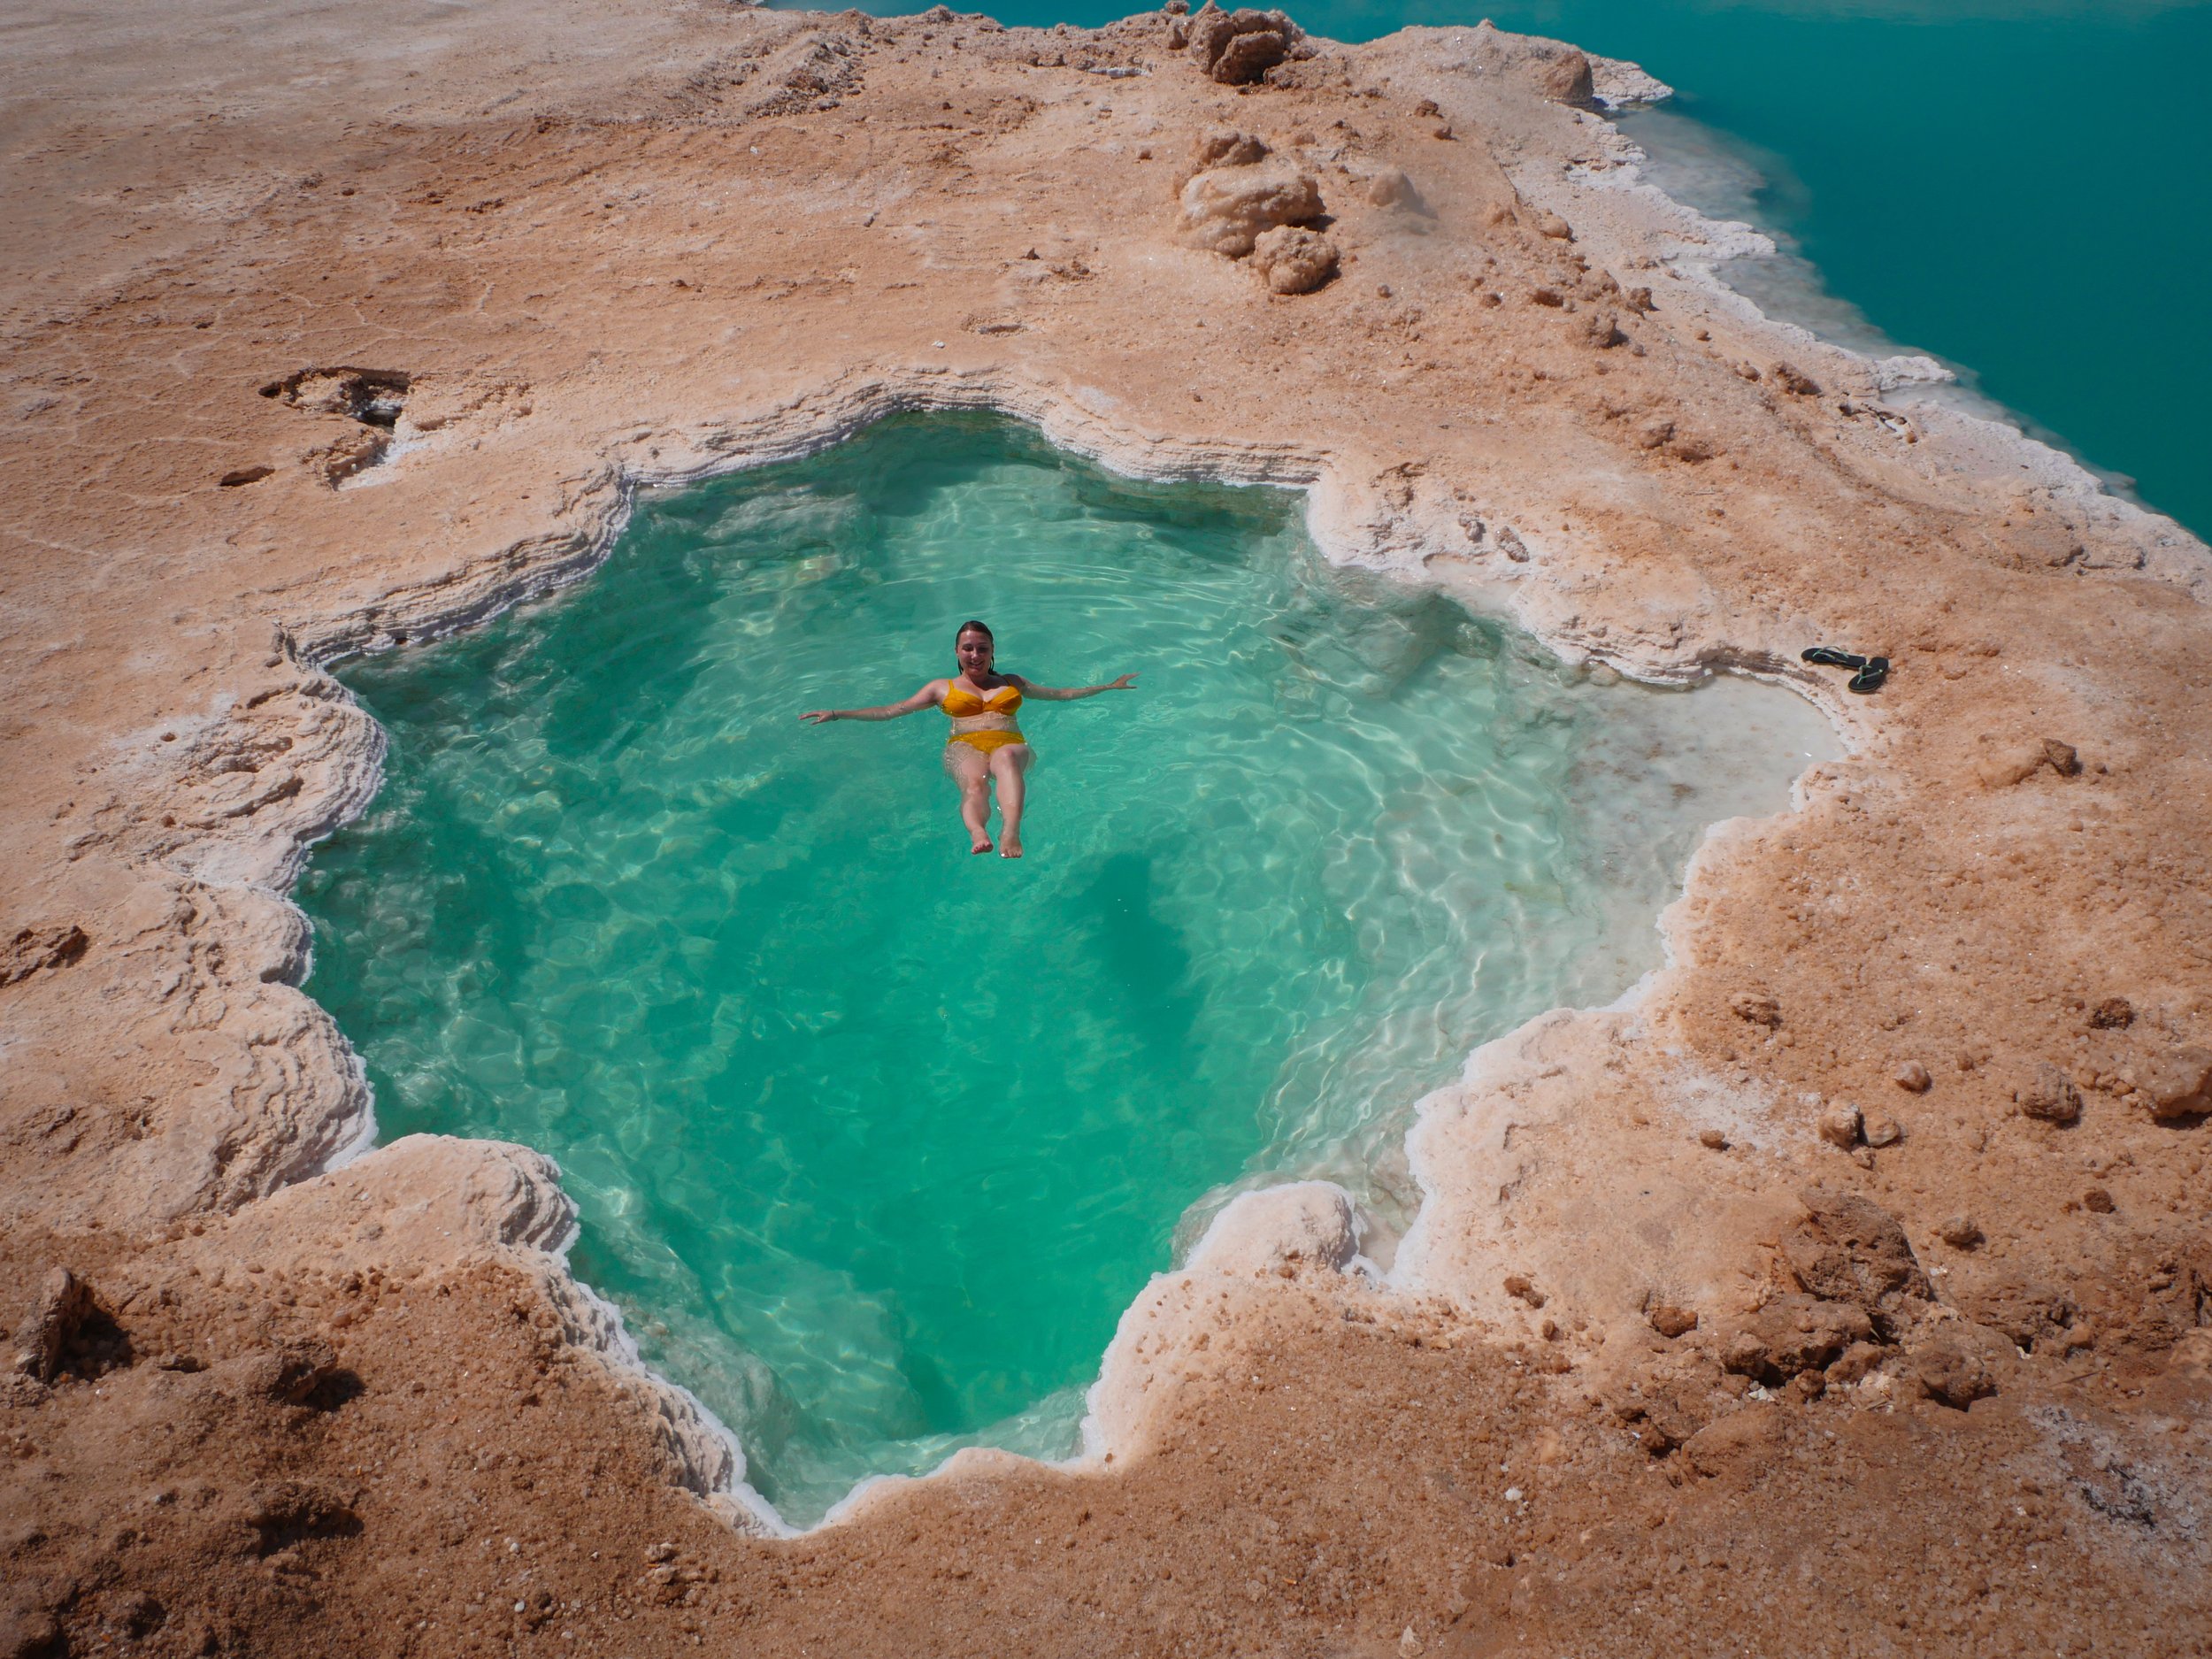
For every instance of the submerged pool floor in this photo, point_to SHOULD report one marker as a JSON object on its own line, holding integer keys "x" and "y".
{"x": 872, "y": 1140}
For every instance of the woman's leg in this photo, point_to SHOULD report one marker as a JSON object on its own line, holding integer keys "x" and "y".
{"x": 972, "y": 773}
{"x": 1007, "y": 766}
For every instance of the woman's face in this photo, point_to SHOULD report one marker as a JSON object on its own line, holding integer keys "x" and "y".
{"x": 975, "y": 653}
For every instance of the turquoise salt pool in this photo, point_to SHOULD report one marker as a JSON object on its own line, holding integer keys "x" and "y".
{"x": 872, "y": 1140}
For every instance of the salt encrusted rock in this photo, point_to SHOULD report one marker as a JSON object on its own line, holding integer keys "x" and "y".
{"x": 1206, "y": 33}
{"x": 2031, "y": 1314}
{"x": 1744, "y": 1355}
{"x": 2047, "y": 1095}
{"x": 1961, "y": 1233}
{"x": 1912, "y": 1076}
{"x": 1850, "y": 1249}
{"x": 355, "y": 452}
{"x": 2178, "y": 1082}
{"x": 1794, "y": 1333}
{"x": 289, "y": 1373}
{"x": 1795, "y": 382}
{"x": 1389, "y": 187}
{"x": 1616, "y": 84}
{"x": 2115, "y": 1013}
{"x": 1883, "y": 1132}
{"x": 1567, "y": 79}
{"x": 1947, "y": 1373}
{"x": 1603, "y": 330}
{"x": 1224, "y": 147}
{"x": 1522, "y": 1288}
{"x": 1239, "y": 47}
{"x": 63, "y": 1302}
{"x": 2002, "y": 767}
{"x": 1226, "y": 210}
{"x": 1668, "y": 1316}
{"x": 1251, "y": 53}
{"x": 1860, "y": 1360}
{"x": 1293, "y": 260}
{"x": 1839, "y": 1125}
{"x": 35, "y": 949}
{"x": 1665, "y": 1414}
{"x": 1306, "y": 1222}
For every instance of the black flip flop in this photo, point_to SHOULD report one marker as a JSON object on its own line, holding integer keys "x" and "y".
{"x": 1828, "y": 656}
{"x": 1870, "y": 677}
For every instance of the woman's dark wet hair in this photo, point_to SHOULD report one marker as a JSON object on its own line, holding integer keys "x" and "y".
{"x": 972, "y": 627}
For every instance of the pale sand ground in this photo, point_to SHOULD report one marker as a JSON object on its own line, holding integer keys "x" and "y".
{"x": 614, "y": 241}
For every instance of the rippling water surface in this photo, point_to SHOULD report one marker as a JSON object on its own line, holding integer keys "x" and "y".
{"x": 873, "y": 1140}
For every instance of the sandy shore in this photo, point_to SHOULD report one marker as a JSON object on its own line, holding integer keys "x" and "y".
{"x": 1846, "y": 1291}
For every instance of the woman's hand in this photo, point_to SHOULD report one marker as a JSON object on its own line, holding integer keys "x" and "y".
{"x": 819, "y": 716}
{"x": 1123, "y": 684}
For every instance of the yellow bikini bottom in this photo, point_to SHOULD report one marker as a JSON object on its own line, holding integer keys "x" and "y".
{"x": 984, "y": 742}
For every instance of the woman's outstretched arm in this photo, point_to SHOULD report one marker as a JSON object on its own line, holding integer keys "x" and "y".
{"x": 926, "y": 697}
{"x": 1071, "y": 693}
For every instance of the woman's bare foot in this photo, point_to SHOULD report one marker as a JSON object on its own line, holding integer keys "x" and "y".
{"x": 1011, "y": 845}
{"x": 982, "y": 844}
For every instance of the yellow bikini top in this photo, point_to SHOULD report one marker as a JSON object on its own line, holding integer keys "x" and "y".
{"x": 961, "y": 703}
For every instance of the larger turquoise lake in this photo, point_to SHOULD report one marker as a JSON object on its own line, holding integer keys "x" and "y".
{"x": 873, "y": 1140}
{"x": 2016, "y": 187}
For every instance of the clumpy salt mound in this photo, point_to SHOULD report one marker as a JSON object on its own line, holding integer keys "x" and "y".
{"x": 1239, "y": 198}
{"x": 1293, "y": 260}
{"x": 1239, "y": 47}
{"x": 1223, "y": 147}
{"x": 1388, "y": 187}
{"x": 1309, "y": 1222}
{"x": 1225, "y": 209}
{"x": 1239, "y": 201}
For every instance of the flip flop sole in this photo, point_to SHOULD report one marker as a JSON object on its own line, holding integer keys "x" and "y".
{"x": 1870, "y": 679}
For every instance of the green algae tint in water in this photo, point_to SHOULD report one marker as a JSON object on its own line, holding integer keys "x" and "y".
{"x": 872, "y": 1140}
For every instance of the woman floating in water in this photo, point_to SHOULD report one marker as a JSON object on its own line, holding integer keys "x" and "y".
{"x": 986, "y": 746}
